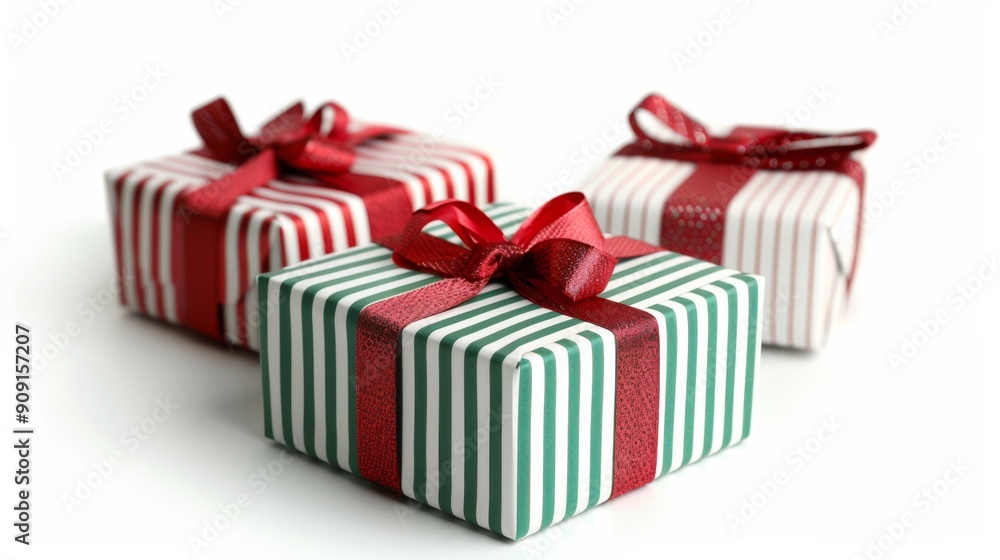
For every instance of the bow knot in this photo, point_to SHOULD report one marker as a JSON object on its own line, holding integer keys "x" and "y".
{"x": 558, "y": 255}
{"x": 299, "y": 144}
{"x": 488, "y": 261}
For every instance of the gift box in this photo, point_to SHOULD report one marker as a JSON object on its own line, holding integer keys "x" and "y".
{"x": 192, "y": 230}
{"x": 515, "y": 383}
{"x": 782, "y": 204}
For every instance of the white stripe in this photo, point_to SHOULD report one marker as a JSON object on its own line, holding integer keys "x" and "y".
{"x": 721, "y": 357}
{"x": 537, "y": 440}
{"x": 146, "y": 255}
{"x": 679, "y": 407}
{"x": 290, "y": 205}
{"x": 561, "y": 431}
{"x": 608, "y": 414}
{"x": 128, "y": 261}
{"x": 274, "y": 359}
{"x": 165, "y": 249}
{"x": 586, "y": 402}
{"x": 742, "y": 347}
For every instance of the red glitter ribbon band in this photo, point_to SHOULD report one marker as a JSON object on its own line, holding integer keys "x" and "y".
{"x": 558, "y": 259}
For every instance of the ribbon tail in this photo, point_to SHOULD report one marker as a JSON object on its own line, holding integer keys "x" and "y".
{"x": 626, "y": 247}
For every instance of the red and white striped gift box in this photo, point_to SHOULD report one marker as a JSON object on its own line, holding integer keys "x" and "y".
{"x": 279, "y": 223}
{"x": 784, "y": 205}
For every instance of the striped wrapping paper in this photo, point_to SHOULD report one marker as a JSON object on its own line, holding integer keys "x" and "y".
{"x": 507, "y": 409}
{"x": 278, "y": 224}
{"x": 797, "y": 229}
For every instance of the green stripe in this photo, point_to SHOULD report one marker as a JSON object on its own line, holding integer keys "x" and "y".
{"x": 573, "y": 433}
{"x": 548, "y": 436}
{"x": 732, "y": 336}
{"x": 327, "y": 259}
{"x": 524, "y": 448}
{"x": 496, "y": 402}
{"x": 713, "y": 342}
{"x": 596, "y": 416}
{"x": 265, "y": 353}
{"x": 285, "y": 353}
{"x": 309, "y": 403}
{"x": 472, "y": 411}
{"x": 653, "y": 292}
{"x": 752, "y": 348}
{"x": 691, "y": 389}
{"x": 670, "y": 320}
{"x": 421, "y": 340}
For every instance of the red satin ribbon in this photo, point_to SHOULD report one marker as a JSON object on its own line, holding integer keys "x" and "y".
{"x": 559, "y": 260}
{"x": 289, "y": 143}
{"x": 694, "y": 214}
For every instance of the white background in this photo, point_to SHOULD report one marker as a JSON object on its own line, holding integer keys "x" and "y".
{"x": 558, "y": 83}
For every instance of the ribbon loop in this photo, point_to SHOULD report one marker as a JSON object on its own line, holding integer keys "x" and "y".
{"x": 753, "y": 147}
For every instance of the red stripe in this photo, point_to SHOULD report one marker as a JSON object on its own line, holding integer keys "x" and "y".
{"x": 812, "y": 267}
{"x": 741, "y": 255}
{"x": 600, "y": 179}
{"x": 760, "y": 220}
{"x": 795, "y": 255}
{"x": 324, "y": 220}
{"x": 345, "y": 210}
{"x": 136, "y": 249}
{"x": 264, "y": 246}
{"x": 244, "y": 273}
{"x": 117, "y": 194}
{"x": 154, "y": 246}
{"x": 633, "y": 170}
{"x": 470, "y": 181}
{"x": 776, "y": 255}
{"x": 650, "y": 193}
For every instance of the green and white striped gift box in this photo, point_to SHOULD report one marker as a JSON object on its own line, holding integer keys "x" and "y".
{"x": 507, "y": 408}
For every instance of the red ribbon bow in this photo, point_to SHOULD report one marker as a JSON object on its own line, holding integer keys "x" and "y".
{"x": 694, "y": 214}
{"x": 752, "y": 146}
{"x": 289, "y": 143}
{"x": 558, "y": 259}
